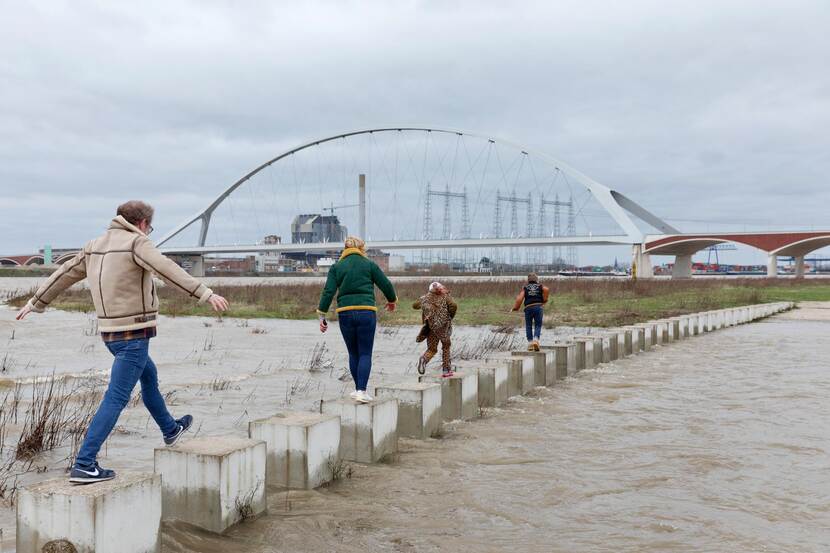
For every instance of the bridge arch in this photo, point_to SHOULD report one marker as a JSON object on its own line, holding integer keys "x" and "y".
{"x": 614, "y": 204}
{"x": 8, "y": 262}
{"x": 65, "y": 257}
{"x": 802, "y": 247}
{"x": 34, "y": 260}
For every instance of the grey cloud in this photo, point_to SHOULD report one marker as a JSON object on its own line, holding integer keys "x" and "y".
{"x": 709, "y": 111}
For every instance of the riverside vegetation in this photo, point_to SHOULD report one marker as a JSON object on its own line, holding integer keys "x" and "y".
{"x": 577, "y": 302}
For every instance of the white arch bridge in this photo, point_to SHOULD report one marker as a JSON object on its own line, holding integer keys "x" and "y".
{"x": 489, "y": 194}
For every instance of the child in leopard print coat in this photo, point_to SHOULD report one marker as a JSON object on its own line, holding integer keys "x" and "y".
{"x": 437, "y": 312}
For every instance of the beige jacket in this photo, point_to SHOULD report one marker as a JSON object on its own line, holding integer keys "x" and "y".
{"x": 119, "y": 268}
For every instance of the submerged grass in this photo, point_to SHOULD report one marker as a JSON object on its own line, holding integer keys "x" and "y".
{"x": 577, "y": 302}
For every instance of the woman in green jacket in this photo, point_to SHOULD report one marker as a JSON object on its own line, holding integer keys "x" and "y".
{"x": 353, "y": 278}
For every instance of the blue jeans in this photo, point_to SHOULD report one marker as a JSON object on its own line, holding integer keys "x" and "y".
{"x": 132, "y": 364}
{"x": 358, "y": 330}
{"x": 533, "y": 316}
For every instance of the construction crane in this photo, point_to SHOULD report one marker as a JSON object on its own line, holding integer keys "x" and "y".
{"x": 333, "y": 207}
{"x": 715, "y": 249}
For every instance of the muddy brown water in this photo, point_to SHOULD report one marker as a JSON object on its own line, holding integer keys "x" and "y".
{"x": 718, "y": 443}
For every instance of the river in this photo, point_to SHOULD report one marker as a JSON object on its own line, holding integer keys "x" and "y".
{"x": 718, "y": 443}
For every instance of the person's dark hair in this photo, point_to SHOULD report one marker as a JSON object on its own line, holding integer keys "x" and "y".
{"x": 533, "y": 277}
{"x": 135, "y": 211}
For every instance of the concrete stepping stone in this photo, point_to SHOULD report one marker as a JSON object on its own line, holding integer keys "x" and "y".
{"x": 117, "y": 516}
{"x": 419, "y": 407}
{"x": 459, "y": 394}
{"x": 368, "y": 431}
{"x": 303, "y": 448}
{"x": 212, "y": 482}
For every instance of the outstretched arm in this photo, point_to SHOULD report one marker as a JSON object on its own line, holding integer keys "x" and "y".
{"x": 385, "y": 285}
{"x": 519, "y": 299}
{"x": 69, "y": 273}
{"x": 146, "y": 255}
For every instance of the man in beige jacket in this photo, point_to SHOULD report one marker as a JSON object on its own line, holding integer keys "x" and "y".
{"x": 119, "y": 268}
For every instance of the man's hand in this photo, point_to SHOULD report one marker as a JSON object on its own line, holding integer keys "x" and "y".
{"x": 25, "y": 310}
{"x": 218, "y": 303}
{"x": 390, "y": 306}
{"x": 324, "y": 325}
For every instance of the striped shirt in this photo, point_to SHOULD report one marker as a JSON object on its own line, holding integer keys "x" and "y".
{"x": 138, "y": 334}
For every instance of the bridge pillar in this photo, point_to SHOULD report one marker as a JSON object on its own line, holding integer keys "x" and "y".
{"x": 641, "y": 262}
{"x": 193, "y": 264}
{"x": 799, "y": 266}
{"x": 772, "y": 266}
{"x": 682, "y": 267}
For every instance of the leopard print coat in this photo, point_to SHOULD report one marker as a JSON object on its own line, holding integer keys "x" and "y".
{"x": 437, "y": 311}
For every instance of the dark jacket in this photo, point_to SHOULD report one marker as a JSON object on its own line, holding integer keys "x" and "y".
{"x": 353, "y": 278}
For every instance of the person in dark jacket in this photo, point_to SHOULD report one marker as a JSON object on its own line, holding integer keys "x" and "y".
{"x": 534, "y": 296}
{"x": 353, "y": 279}
{"x": 437, "y": 312}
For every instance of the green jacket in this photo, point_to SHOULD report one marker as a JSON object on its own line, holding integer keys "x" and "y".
{"x": 353, "y": 279}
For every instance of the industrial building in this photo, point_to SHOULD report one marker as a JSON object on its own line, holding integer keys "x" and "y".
{"x": 317, "y": 228}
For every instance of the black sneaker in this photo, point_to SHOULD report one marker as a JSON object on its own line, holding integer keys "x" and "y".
{"x": 184, "y": 425}
{"x": 422, "y": 365}
{"x": 90, "y": 475}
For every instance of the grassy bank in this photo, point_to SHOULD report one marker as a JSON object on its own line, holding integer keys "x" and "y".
{"x": 24, "y": 272}
{"x": 573, "y": 302}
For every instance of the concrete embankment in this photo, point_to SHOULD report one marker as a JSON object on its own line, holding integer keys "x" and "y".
{"x": 227, "y": 476}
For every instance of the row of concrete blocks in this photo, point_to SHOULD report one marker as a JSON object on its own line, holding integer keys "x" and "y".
{"x": 214, "y": 482}
{"x": 615, "y": 343}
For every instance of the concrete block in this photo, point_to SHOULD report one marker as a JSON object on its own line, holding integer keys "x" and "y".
{"x": 419, "y": 407}
{"x": 515, "y": 366}
{"x": 368, "y": 431}
{"x": 709, "y": 321}
{"x": 638, "y": 338}
{"x": 459, "y": 395}
{"x": 540, "y": 364}
{"x": 610, "y": 347}
{"x": 626, "y": 342}
{"x": 302, "y": 448}
{"x": 593, "y": 349}
{"x": 685, "y": 323}
{"x": 528, "y": 374}
{"x": 118, "y": 516}
{"x": 653, "y": 337}
{"x": 666, "y": 329}
{"x": 662, "y": 332}
{"x": 728, "y": 317}
{"x": 693, "y": 324}
{"x": 743, "y": 317}
{"x": 563, "y": 362}
{"x": 675, "y": 329}
{"x": 492, "y": 383}
{"x": 582, "y": 353}
{"x": 212, "y": 482}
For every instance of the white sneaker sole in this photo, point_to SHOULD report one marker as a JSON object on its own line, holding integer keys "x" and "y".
{"x": 89, "y": 480}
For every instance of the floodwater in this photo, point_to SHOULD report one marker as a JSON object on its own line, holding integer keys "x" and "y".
{"x": 717, "y": 443}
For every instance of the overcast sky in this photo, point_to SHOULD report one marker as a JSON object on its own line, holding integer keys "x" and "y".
{"x": 714, "y": 115}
